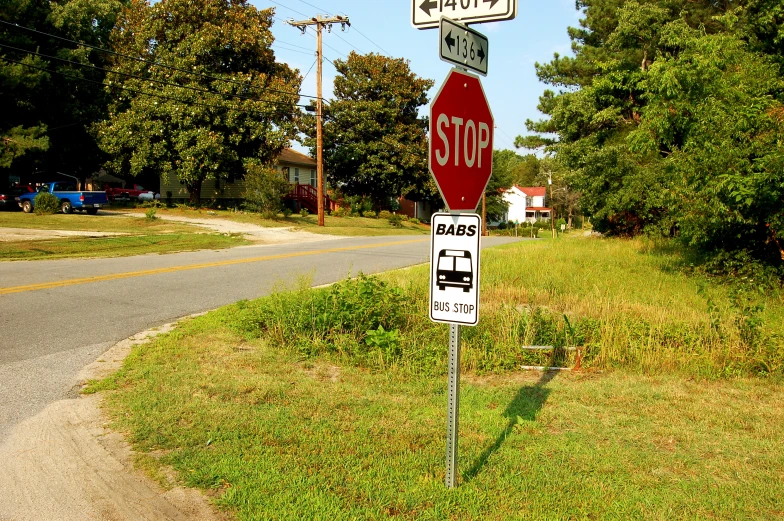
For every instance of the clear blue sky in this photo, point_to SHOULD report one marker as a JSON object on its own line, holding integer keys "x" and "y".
{"x": 511, "y": 85}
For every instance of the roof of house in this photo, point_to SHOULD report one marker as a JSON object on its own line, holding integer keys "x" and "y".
{"x": 289, "y": 155}
{"x": 532, "y": 191}
{"x": 537, "y": 209}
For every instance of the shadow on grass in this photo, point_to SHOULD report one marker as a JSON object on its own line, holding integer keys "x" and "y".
{"x": 526, "y": 404}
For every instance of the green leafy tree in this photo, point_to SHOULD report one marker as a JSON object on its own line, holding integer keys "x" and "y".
{"x": 374, "y": 140}
{"x": 600, "y": 103}
{"x": 713, "y": 109}
{"x": 669, "y": 119}
{"x": 218, "y": 100}
{"x": 50, "y": 88}
{"x": 504, "y": 165}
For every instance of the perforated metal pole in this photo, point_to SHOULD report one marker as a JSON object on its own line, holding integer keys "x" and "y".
{"x": 453, "y": 405}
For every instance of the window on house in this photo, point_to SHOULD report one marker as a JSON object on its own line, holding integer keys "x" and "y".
{"x": 529, "y": 201}
{"x": 296, "y": 175}
{"x": 312, "y": 178}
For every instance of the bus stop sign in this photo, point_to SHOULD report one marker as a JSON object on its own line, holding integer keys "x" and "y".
{"x": 454, "y": 268}
{"x": 461, "y": 141}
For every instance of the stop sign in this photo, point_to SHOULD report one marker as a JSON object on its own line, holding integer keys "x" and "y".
{"x": 461, "y": 141}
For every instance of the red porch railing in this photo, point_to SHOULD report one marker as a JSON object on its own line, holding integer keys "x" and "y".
{"x": 306, "y": 196}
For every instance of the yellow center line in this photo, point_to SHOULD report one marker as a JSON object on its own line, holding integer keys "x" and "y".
{"x": 173, "y": 269}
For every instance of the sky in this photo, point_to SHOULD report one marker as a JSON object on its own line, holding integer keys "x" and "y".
{"x": 384, "y": 26}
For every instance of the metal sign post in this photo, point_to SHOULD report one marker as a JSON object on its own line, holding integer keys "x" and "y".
{"x": 454, "y": 300}
{"x": 453, "y": 405}
{"x": 460, "y": 159}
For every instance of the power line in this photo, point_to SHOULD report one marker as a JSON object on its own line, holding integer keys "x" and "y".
{"x": 371, "y": 41}
{"x": 158, "y": 64}
{"x": 289, "y": 8}
{"x": 188, "y": 87}
{"x": 351, "y": 44}
{"x": 145, "y": 93}
{"x": 291, "y": 50}
{"x": 278, "y": 40}
{"x": 311, "y": 68}
{"x": 314, "y": 7}
{"x": 326, "y": 44}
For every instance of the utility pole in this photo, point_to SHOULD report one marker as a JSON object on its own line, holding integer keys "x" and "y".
{"x": 320, "y": 23}
{"x": 484, "y": 214}
{"x": 552, "y": 206}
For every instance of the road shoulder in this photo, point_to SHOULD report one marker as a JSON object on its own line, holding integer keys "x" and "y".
{"x": 65, "y": 463}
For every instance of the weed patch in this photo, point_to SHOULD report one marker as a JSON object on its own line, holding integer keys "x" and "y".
{"x": 637, "y": 315}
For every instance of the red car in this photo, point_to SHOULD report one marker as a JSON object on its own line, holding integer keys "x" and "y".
{"x": 9, "y": 196}
{"x": 119, "y": 193}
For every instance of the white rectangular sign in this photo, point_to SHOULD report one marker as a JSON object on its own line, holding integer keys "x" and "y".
{"x": 454, "y": 268}
{"x": 425, "y": 14}
{"x": 463, "y": 46}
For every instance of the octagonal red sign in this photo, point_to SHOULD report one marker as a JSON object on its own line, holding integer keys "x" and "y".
{"x": 461, "y": 141}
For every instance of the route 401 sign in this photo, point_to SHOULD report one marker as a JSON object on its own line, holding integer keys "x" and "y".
{"x": 454, "y": 268}
{"x": 425, "y": 14}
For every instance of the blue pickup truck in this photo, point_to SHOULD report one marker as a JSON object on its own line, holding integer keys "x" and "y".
{"x": 70, "y": 198}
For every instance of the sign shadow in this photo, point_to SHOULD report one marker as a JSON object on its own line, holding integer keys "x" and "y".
{"x": 526, "y": 404}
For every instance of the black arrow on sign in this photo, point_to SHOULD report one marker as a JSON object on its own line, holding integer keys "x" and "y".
{"x": 427, "y": 5}
{"x": 492, "y": 3}
{"x": 450, "y": 42}
{"x": 481, "y": 54}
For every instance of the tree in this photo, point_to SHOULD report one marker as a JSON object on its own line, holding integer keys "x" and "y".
{"x": 50, "y": 87}
{"x": 713, "y": 108}
{"x": 670, "y": 120}
{"x": 505, "y": 164}
{"x": 214, "y": 98}
{"x": 600, "y": 103}
{"x": 374, "y": 141}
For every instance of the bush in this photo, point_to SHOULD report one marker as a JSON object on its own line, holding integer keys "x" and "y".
{"x": 303, "y": 212}
{"x": 370, "y": 214}
{"x": 264, "y": 188}
{"x": 359, "y": 204}
{"x": 287, "y": 213}
{"x": 46, "y": 204}
{"x": 395, "y": 220}
{"x": 384, "y": 214}
{"x": 340, "y": 211}
{"x": 414, "y": 220}
{"x": 502, "y": 225}
{"x": 360, "y": 318}
{"x": 150, "y": 214}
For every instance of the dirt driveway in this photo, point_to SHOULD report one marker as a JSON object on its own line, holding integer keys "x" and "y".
{"x": 30, "y": 234}
{"x": 252, "y": 232}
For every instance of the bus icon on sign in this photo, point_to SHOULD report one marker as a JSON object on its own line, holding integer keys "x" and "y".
{"x": 454, "y": 269}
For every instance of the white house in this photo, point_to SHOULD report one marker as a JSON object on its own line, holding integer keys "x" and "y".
{"x": 526, "y": 204}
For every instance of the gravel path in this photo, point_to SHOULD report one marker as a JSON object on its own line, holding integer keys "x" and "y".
{"x": 252, "y": 232}
{"x": 27, "y": 234}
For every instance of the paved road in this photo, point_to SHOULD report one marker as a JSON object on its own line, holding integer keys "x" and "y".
{"x": 58, "y": 316}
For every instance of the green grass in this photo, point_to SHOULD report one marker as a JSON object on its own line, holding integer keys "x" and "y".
{"x": 344, "y": 226}
{"x": 139, "y": 236}
{"x": 277, "y": 437}
{"x": 88, "y": 247}
{"x": 284, "y": 410}
{"x": 103, "y": 222}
